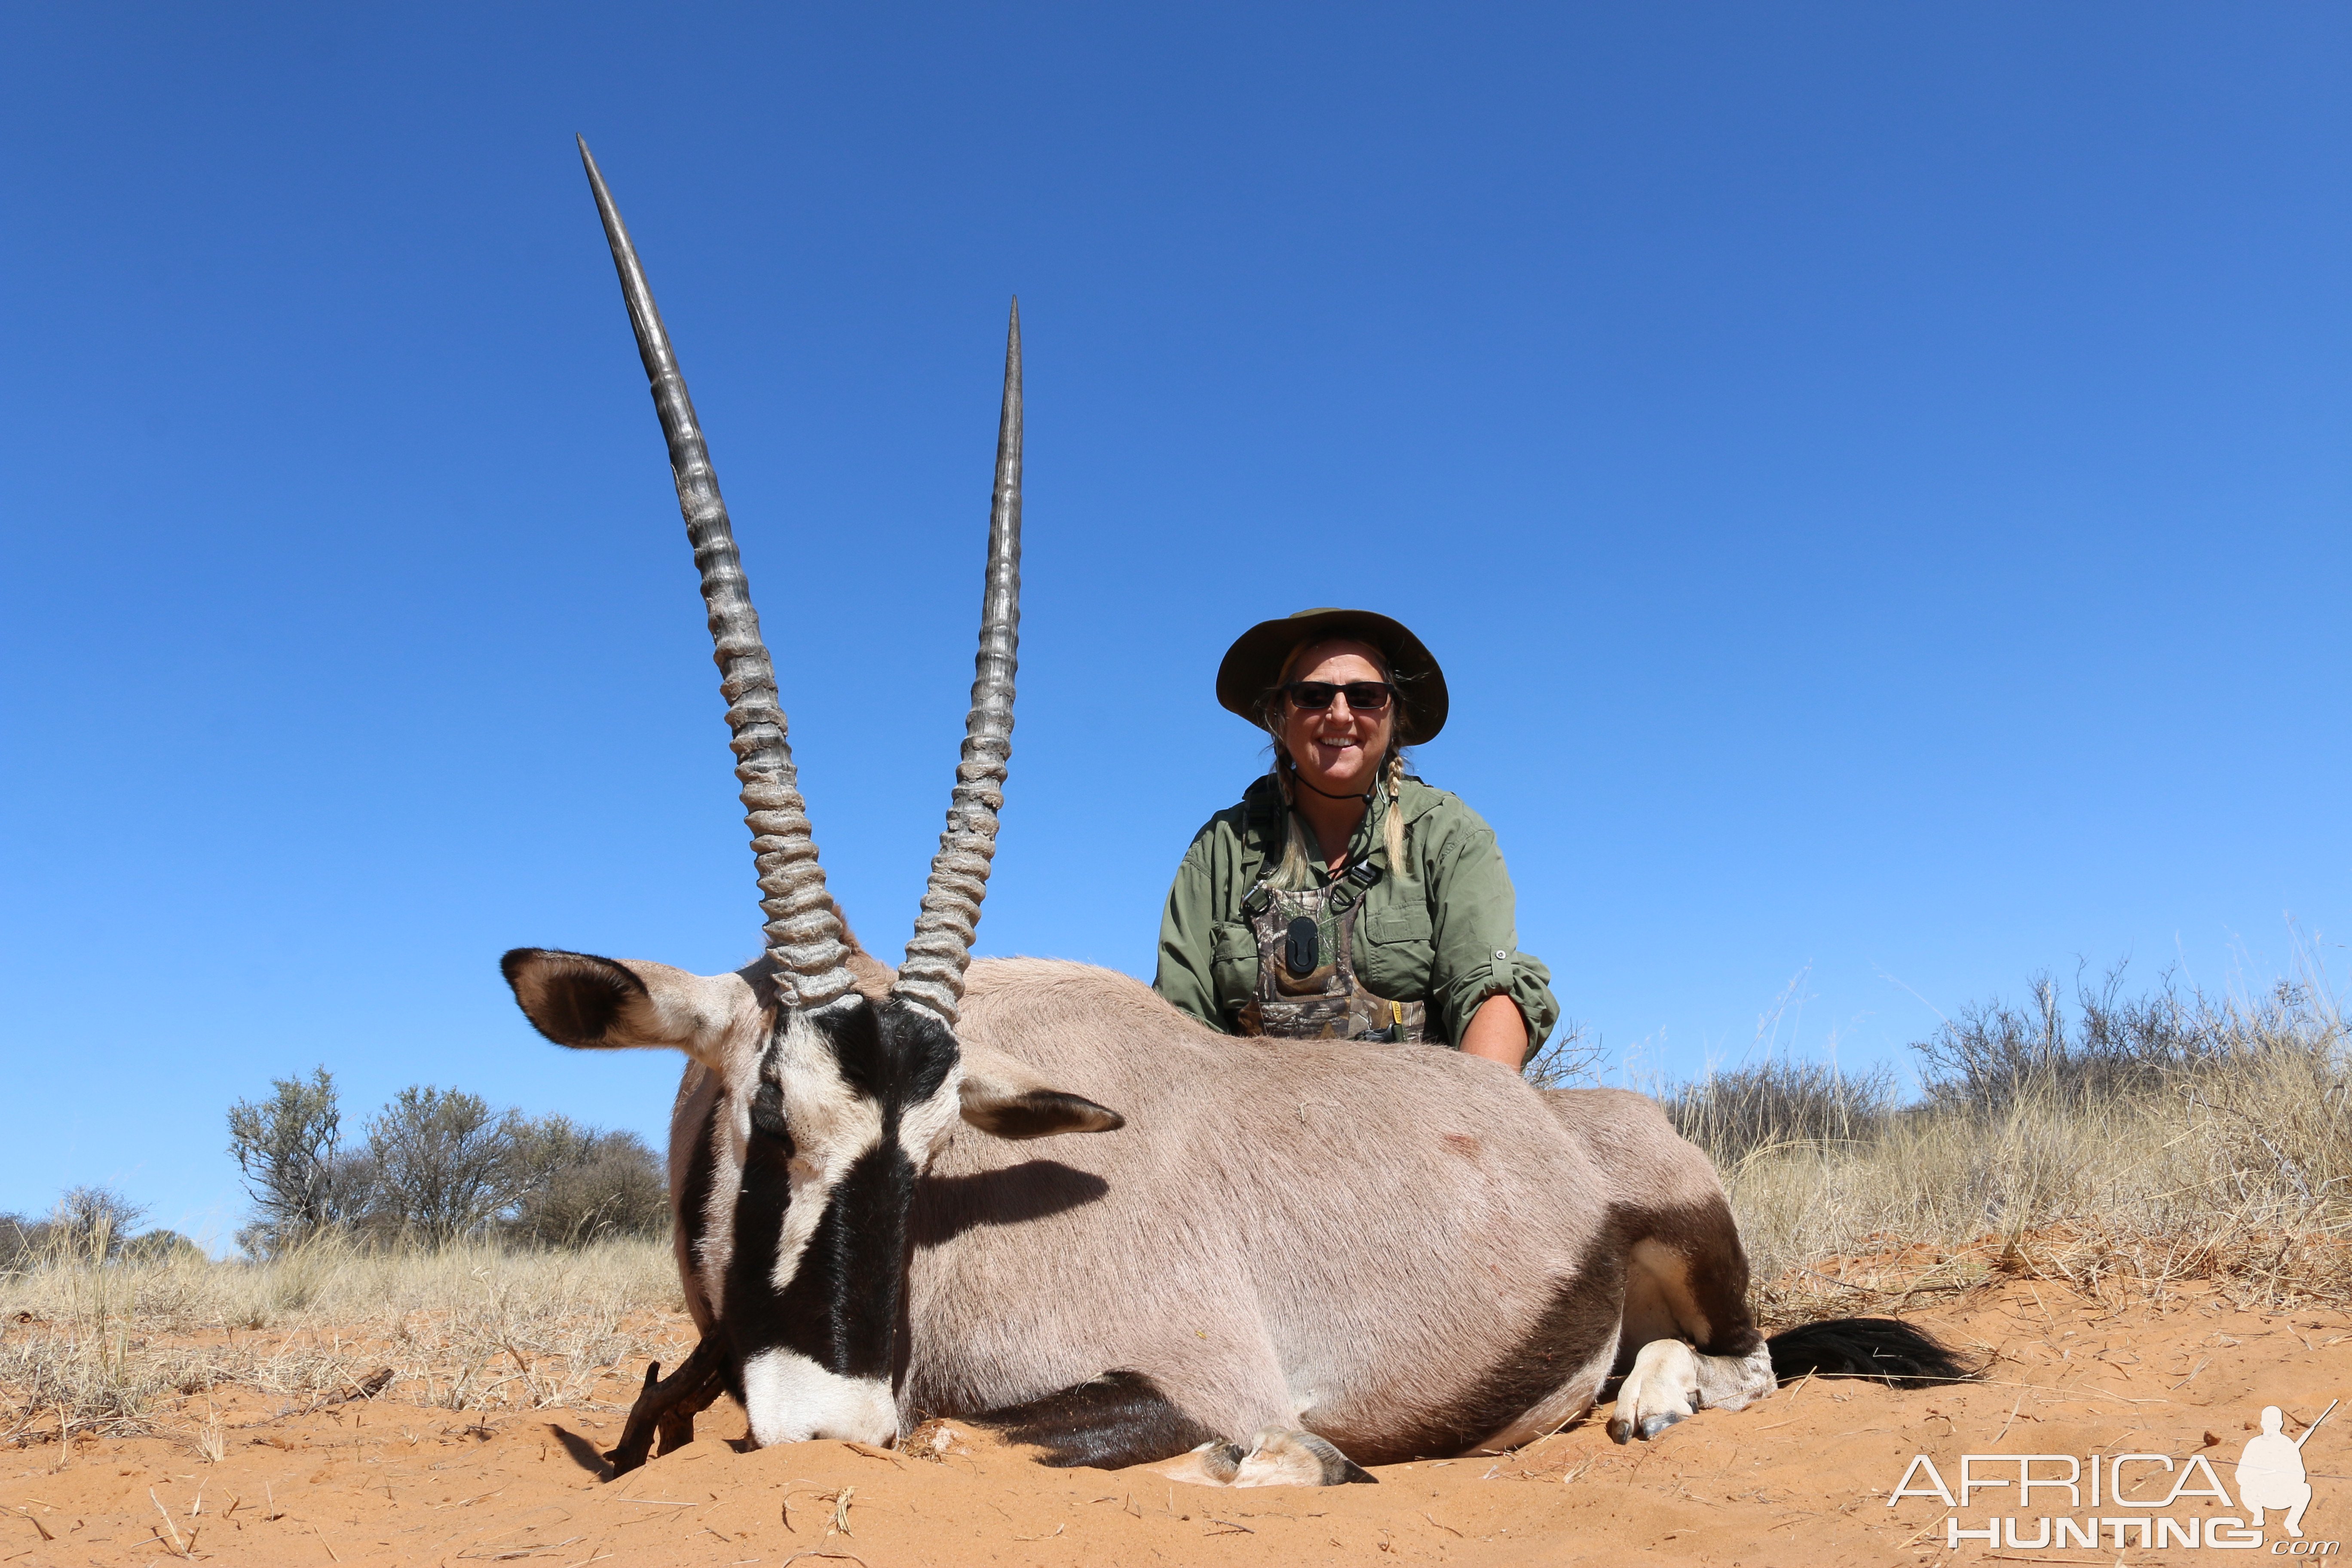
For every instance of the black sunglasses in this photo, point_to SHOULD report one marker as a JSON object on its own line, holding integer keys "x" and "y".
{"x": 1363, "y": 695}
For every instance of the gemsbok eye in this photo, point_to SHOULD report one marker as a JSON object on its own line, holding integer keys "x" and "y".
{"x": 768, "y": 1114}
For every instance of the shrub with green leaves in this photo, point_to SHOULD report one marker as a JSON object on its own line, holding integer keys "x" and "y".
{"x": 436, "y": 1166}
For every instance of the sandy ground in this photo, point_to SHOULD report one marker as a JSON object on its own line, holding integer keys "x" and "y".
{"x": 1801, "y": 1479}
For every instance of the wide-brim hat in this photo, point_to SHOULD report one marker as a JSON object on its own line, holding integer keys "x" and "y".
{"x": 1253, "y": 664}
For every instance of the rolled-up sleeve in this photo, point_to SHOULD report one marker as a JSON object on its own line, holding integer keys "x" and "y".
{"x": 1187, "y": 940}
{"x": 1476, "y": 941}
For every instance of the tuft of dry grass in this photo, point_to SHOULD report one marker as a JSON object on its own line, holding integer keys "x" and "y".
{"x": 91, "y": 1345}
{"x": 2207, "y": 1142}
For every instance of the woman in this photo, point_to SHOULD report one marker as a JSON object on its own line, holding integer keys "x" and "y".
{"x": 1343, "y": 898}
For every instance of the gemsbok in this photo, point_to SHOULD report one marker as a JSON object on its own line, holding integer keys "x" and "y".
{"x": 1274, "y": 1262}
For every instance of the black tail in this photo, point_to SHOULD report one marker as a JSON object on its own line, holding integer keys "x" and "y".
{"x": 1882, "y": 1349}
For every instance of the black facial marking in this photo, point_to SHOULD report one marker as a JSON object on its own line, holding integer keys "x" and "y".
{"x": 578, "y": 995}
{"x": 842, "y": 1307}
{"x": 845, "y": 1306}
{"x": 1119, "y": 1418}
{"x": 694, "y": 1198}
{"x": 766, "y": 1192}
{"x": 897, "y": 1054}
{"x": 855, "y": 1036}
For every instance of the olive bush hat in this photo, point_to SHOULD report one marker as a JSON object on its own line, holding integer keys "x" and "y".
{"x": 1254, "y": 662}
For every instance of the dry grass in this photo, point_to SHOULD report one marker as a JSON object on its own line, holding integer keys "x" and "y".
{"x": 86, "y": 1346}
{"x": 2216, "y": 1149}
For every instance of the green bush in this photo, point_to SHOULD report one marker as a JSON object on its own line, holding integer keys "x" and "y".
{"x": 436, "y": 1166}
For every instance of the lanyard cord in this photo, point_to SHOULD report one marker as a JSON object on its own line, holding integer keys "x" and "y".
{"x": 1366, "y": 797}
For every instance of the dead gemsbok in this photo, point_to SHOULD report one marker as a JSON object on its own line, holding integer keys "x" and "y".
{"x": 1289, "y": 1257}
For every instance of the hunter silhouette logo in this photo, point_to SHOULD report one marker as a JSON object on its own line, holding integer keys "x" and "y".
{"x": 2270, "y": 1470}
{"x": 2147, "y": 1500}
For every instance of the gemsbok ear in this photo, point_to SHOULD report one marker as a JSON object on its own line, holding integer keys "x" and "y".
{"x": 589, "y": 1003}
{"x": 1006, "y": 1100}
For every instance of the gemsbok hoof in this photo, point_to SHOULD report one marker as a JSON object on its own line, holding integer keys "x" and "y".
{"x": 1288, "y": 1458}
{"x": 1662, "y": 1389}
{"x": 1212, "y": 1464}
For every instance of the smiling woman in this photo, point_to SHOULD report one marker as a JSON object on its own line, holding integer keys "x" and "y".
{"x": 1342, "y": 898}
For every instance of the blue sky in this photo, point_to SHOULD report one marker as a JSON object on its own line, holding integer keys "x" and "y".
{"x": 1875, "y": 477}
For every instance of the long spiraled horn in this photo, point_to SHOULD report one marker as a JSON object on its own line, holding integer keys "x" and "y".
{"x": 804, "y": 932}
{"x": 932, "y": 974}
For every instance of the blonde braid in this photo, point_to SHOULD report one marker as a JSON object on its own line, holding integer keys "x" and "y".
{"x": 1392, "y": 830}
{"x": 1295, "y": 871}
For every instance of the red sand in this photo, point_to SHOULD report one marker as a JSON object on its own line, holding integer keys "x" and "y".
{"x": 1801, "y": 1479}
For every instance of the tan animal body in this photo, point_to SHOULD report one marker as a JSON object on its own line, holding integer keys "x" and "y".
{"x": 1403, "y": 1249}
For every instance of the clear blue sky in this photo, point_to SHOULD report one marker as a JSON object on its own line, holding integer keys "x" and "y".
{"x": 1876, "y": 477}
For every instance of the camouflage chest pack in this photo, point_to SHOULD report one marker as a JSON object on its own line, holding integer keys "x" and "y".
{"x": 1308, "y": 987}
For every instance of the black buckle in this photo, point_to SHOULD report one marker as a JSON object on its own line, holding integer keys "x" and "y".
{"x": 1302, "y": 947}
{"x": 1257, "y": 903}
{"x": 1363, "y": 873}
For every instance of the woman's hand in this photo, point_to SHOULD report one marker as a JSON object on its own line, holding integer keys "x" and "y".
{"x": 1499, "y": 1031}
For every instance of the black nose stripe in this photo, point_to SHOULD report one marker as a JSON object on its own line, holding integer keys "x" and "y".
{"x": 841, "y": 1308}
{"x": 847, "y": 1296}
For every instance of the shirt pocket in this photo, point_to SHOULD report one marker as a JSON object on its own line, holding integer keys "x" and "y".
{"x": 1393, "y": 953}
{"x": 1233, "y": 966}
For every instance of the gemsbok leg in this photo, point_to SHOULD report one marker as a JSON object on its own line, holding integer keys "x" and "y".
{"x": 1689, "y": 1342}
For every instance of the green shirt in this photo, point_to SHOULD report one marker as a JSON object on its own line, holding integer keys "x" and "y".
{"x": 1444, "y": 936}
